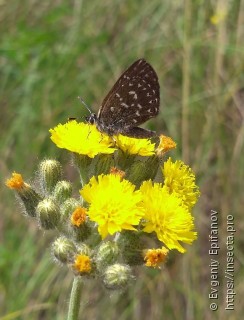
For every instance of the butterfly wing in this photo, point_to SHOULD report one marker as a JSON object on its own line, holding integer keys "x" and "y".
{"x": 133, "y": 99}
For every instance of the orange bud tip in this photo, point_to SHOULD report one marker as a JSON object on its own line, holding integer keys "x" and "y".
{"x": 165, "y": 144}
{"x": 78, "y": 216}
{"x": 118, "y": 172}
{"x": 154, "y": 257}
{"x": 15, "y": 182}
{"x": 82, "y": 264}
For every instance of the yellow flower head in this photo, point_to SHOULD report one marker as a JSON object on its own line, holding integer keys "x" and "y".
{"x": 180, "y": 179}
{"x": 15, "y": 182}
{"x": 78, "y": 217}
{"x": 114, "y": 203}
{"x": 219, "y": 16}
{"x": 165, "y": 216}
{"x": 154, "y": 257}
{"x": 81, "y": 138}
{"x": 165, "y": 144}
{"x": 134, "y": 146}
{"x": 82, "y": 264}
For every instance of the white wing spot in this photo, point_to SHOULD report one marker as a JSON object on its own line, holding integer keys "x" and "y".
{"x": 130, "y": 84}
{"x": 126, "y": 77}
{"x": 125, "y": 105}
{"x": 139, "y": 85}
{"x": 134, "y": 93}
{"x": 138, "y": 113}
{"x": 112, "y": 109}
{"x": 134, "y": 120}
{"x": 132, "y": 104}
{"x": 139, "y": 106}
{"x": 117, "y": 95}
{"x": 120, "y": 99}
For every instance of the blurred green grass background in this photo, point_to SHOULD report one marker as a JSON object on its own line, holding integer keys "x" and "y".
{"x": 53, "y": 51}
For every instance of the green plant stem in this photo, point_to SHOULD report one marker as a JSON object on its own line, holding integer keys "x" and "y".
{"x": 75, "y": 298}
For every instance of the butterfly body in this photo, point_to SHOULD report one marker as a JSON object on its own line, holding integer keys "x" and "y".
{"x": 133, "y": 99}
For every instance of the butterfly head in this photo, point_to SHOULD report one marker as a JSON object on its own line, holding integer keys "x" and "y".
{"x": 92, "y": 119}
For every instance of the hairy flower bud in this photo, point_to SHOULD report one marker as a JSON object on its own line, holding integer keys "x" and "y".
{"x": 63, "y": 250}
{"x": 104, "y": 163}
{"x": 50, "y": 172}
{"x": 62, "y": 191}
{"x": 68, "y": 207}
{"x": 107, "y": 254}
{"x": 84, "y": 249}
{"x": 140, "y": 170}
{"x": 131, "y": 246}
{"x": 125, "y": 160}
{"x": 117, "y": 276}
{"x": 81, "y": 233}
{"x": 79, "y": 225}
{"x": 27, "y": 194}
{"x": 83, "y": 162}
{"x": 48, "y": 214}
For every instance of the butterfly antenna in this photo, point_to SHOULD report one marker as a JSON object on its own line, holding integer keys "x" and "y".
{"x": 86, "y": 106}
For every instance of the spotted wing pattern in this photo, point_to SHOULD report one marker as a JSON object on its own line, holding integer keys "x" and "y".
{"x": 133, "y": 99}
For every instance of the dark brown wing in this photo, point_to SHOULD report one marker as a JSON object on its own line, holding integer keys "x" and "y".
{"x": 133, "y": 99}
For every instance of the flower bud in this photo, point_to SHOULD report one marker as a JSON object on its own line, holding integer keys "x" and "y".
{"x": 104, "y": 163}
{"x": 107, "y": 254}
{"x": 131, "y": 247}
{"x": 63, "y": 250}
{"x": 125, "y": 160}
{"x": 50, "y": 172}
{"x": 68, "y": 207}
{"x": 141, "y": 171}
{"x": 84, "y": 249}
{"x": 62, "y": 191}
{"x": 117, "y": 276}
{"x": 27, "y": 194}
{"x": 80, "y": 228}
{"x": 83, "y": 162}
{"x": 48, "y": 214}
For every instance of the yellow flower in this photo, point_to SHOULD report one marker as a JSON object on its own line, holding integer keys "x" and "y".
{"x": 153, "y": 257}
{"x": 134, "y": 146}
{"x": 165, "y": 144}
{"x": 78, "y": 217}
{"x": 218, "y": 17}
{"x": 81, "y": 138}
{"x": 180, "y": 179}
{"x": 114, "y": 204}
{"x": 165, "y": 216}
{"x": 82, "y": 264}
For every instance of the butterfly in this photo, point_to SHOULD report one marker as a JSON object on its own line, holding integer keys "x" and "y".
{"x": 133, "y": 100}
